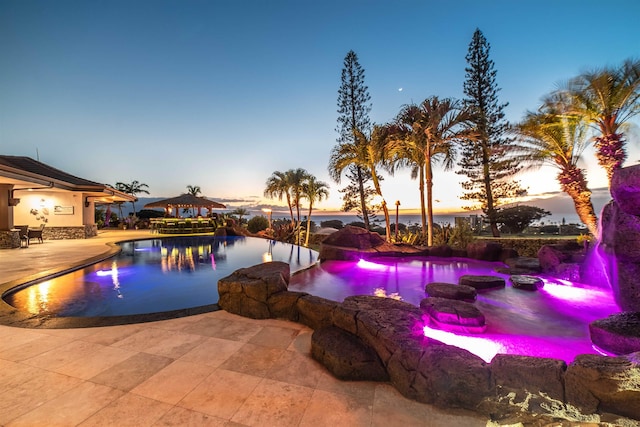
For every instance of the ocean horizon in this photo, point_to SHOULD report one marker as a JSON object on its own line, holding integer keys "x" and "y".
{"x": 409, "y": 219}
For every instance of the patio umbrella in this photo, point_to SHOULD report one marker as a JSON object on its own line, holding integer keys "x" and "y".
{"x": 185, "y": 201}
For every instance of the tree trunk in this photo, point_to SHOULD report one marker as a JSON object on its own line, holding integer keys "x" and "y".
{"x": 610, "y": 153}
{"x": 573, "y": 183}
{"x": 385, "y": 209}
{"x": 423, "y": 213}
{"x": 429, "y": 177}
{"x": 306, "y": 242}
{"x": 491, "y": 210}
{"x": 363, "y": 201}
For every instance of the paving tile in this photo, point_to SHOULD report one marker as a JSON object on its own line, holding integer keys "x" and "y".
{"x": 359, "y": 389}
{"x": 130, "y": 410}
{"x": 212, "y": 352}
{"x": 26, "y": 396}
{"x": 296, "y": 368}
{"x": 274, "y": 336}
{"x": 94, "y": 363}
{"x": 274, "y": 403}
{"x": 234, "y": 330}
{"x": 112, "y": 334}
{"x": 172, "y": 383}
{"x": 253, "y": 359}
{"x": 221, "y": 393}
{"x": 161, "y": 342}
{"x": 344, "y": 410}
{"x": 13, "y": 337}
{"x": 70, "y": 408}
{"x": 132, "y": 371}
{"x": 34, "y": 347}
{"x": 181, "y": 417}
{"x": 63, "y": 354}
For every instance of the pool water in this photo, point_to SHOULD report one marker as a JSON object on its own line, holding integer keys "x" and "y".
{"x": 155, "y": 275}
{"x": 551, "y": 322}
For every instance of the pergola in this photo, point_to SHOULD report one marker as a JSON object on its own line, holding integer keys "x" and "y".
{"x": 185, "y": 201}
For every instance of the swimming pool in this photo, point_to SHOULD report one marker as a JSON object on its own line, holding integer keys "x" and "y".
{"x": 551, "y": 322}
{"x": 155, "y": 275}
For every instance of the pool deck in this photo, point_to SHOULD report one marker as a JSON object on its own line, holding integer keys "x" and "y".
{"x": 210, "y": 369}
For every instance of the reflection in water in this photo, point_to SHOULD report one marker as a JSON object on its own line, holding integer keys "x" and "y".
{"x": 154, "y": 275}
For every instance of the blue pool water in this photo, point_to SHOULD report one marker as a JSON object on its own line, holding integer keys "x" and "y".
{"x": 155, "y": 275}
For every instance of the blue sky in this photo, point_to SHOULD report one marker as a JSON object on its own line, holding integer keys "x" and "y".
{"x": 220, "y": 94}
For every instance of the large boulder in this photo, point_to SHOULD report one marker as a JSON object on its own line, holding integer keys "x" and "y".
{"x": 625, "y": 189}
{"x": 246, "y": 291}
{"x": 354, "y": 237}
{"x": 354, "y": 243}
{"x": 346, "y": 356}
{"x": 621, "y": 246}
{"x": 618, "y": 333}
{"x": 539, "y": 380}
{"x": 595, "y": 383}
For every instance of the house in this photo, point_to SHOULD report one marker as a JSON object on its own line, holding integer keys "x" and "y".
{"x": 33, "y": 193}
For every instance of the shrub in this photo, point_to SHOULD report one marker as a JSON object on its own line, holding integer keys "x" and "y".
{"x": 257, "y": 223}
{"x": 332, "y": 223}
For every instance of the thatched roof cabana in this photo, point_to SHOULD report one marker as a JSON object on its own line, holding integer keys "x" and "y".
{"x": 185, "y": 201}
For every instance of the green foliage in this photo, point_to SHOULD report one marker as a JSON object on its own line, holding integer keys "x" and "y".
{"x": 485, "y": 158}
{"x": 351, "y": 195}
{"x": 517, "y": 218}
{"x": 257, "y": 223}
{"x": 456, "y": 237}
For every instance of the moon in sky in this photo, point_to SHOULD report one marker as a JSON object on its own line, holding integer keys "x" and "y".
{"x": 400, "y": 90}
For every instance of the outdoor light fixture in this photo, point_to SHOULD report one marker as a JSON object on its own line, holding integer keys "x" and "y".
{"x": 268, "y": 212}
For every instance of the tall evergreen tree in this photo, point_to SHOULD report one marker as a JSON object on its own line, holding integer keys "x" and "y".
{"x": 485, "y": 158}
{"x": 353, "y": 119}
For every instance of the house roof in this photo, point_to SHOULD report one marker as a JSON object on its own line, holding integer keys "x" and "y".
{"x": 24, "y": 172}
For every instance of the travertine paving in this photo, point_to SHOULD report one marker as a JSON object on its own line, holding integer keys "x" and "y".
{"x": 212, "y": 369}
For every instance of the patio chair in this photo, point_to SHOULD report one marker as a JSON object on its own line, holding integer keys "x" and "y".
{"x": 35, "y": 233}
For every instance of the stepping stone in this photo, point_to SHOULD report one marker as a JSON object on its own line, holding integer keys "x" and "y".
{"x": 451, "y": 291}
{"x": 482, "y": 282}
{"x": 618, "y": 334}
{"x": 453, "y": 315}
{"x": 526, "y": 283}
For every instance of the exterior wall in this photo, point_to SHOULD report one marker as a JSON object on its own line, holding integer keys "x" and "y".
{"x": 53, "y": 208}
{"x": 6, "y": 215}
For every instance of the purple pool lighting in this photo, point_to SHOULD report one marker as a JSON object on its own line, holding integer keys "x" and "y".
{"x": 551, "y": 322}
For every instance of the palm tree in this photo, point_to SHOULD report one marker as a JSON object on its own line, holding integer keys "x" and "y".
{"x": 554, "y": 136}
{"x": 313, "y": 190}
{"x": 608, "y": 98}
{"x": 431, "y": 130}
{"x": 240, "y": 212}
{"x": 365, "y": 153}
{"x": 278, "y": 186}
{"x": 295, "y": 180}
{"x": 134, "y": 188}
{"x": 194, "y": 190}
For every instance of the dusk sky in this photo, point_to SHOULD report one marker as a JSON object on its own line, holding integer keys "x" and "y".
{"x": 220, "y": 94}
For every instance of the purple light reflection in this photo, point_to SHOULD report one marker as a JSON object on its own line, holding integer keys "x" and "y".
{"x": 551, "y": 322}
